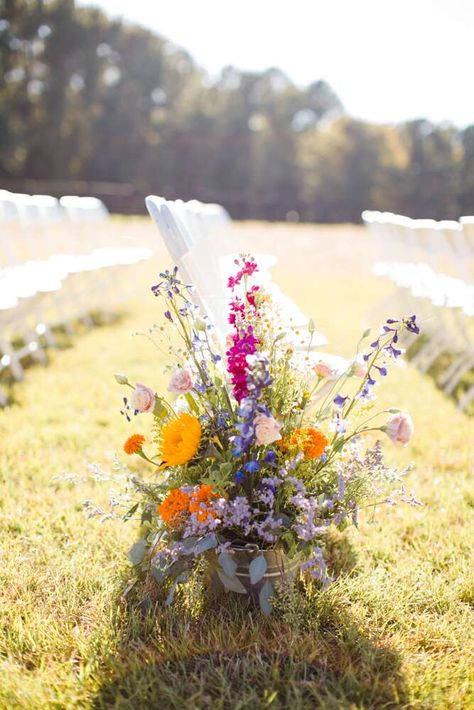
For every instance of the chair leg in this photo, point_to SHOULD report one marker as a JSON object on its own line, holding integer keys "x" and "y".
{"x": 465, "y": 366}
{"x": 445, "y": 377}
{"x": 428, "y": 354}
{"x": 10, "y": 359}
{"x": 467, "y": 399}
{"x": 45, "y": 330}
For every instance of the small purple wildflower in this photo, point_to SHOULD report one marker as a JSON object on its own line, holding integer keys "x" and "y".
{"x": 339, "y": 400}
{"x": 239, "y": 477}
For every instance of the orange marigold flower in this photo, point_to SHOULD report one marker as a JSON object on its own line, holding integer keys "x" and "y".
{"x": 174, "y": 506}
{"x": 311, "y": 442}
{"x": 134, "y": 444}
{"x": 205, "y": 493}
{"x": 180, "y": 440}
{"x": 283, "y": 444}
{"x": 201, "y": 501}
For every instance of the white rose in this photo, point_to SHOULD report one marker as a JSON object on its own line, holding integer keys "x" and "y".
{"x": 181, "y": 381}
{"x": 267, "y": 430}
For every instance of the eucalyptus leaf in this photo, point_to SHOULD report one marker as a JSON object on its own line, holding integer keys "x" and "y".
{"x": 179, "y": 567}
{"x": 170, "y": 597}
{"x": 233, "y": 584}
{"x": 311, "y": 326}
{"x": 284, "y": 519}
{"x": 264, "y": 597}
{"x": 227, "y": 564}
{"x": 205, "y": 543}
{"x": 188, "y": 545}
{"x": 137, "y": 552}
{"x": 160, "y": 573}
{"x": 366, "y": 333}
{"x": 183, "y": 577}
{"x": 257, "y": 569}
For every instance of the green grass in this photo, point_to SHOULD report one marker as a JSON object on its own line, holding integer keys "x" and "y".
{"x": 395, "y": 630}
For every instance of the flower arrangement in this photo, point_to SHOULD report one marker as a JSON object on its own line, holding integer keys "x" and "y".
{"x": 259, "y": 449}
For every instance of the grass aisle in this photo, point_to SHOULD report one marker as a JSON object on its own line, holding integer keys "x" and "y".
{"x": 395, "y": 630}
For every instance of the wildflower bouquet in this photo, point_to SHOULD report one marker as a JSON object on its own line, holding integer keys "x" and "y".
{"x": 257, "y": 451}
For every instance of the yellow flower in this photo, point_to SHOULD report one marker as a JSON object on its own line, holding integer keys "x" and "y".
{"x": 180, "y": 440}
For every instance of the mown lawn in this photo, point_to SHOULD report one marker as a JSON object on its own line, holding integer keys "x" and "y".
{"x": 394, "y": 631}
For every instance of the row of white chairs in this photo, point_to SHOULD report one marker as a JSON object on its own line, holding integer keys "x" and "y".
{"x": 198, "y": 240}
{"x": 431, "y": 264}
{"x": 58, "y": 263}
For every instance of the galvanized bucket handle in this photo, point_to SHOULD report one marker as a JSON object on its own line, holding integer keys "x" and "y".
{"x": 252, "y": 548}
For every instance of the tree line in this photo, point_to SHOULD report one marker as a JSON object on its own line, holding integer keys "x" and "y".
{"x": 87, "y": 98}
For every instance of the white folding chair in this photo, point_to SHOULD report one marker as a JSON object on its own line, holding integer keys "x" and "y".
{"x": 205, "y": 263}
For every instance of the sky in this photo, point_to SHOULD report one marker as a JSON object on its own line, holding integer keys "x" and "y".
{"x": 388, "y": 60}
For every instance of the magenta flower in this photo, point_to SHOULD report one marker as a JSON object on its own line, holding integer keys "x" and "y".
{"x": 243, "y": 344}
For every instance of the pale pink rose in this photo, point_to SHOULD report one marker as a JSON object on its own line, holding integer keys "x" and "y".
{"x": 322, "y": 369}
{"x": 143, "y": 398}
{"x": 399, "y": 428}
{"x": 181, "y": 381}
{"x": 267, "y": 430}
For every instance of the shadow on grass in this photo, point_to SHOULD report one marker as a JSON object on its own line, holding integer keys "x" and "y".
{"x": 222, "y": 653}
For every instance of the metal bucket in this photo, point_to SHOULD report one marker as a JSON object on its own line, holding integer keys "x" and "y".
{"x": 279, "y": 567}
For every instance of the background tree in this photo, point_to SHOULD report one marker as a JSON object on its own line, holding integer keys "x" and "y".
{"x": 86, "y": 99}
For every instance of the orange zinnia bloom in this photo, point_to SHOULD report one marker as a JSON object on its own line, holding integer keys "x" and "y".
{"x": 134, "y": 444}
{"x": 174, "y": 506}
{"x": 311, "y": 442}
{"x": 201, "y": 501}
